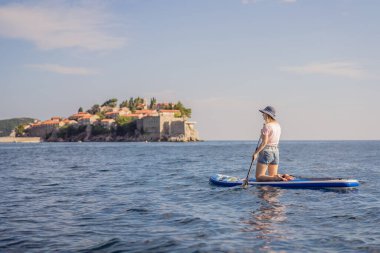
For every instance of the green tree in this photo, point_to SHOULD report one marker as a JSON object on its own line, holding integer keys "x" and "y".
{"x": 80, "y": 109}
{"x": 185, "y": 112}
{"x": 70, "y": 131}
{"x": 125, "y": 125}
{"x": 62, "y": 132}
{"x": 122, "y": 120}
{"x": 99, "y": 130}
{"x": 111, "y": 103}
{"x": 138, "y": 102}
{"x": 7, "y": 125}
{"x": 94, "y": 109}
{"x": 102, "y": 115}
{"x": 20, "y": 130}
{"x": 124, "y": 104}
{"x": 131, "y": 105}
{"x": 126, "y": 129}
{"x": 153, "y": 103}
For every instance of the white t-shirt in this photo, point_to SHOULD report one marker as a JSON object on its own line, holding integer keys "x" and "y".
{"x": 273, "y": 131}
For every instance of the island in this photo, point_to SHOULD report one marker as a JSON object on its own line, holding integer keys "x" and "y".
{"x": 132, "y": 120}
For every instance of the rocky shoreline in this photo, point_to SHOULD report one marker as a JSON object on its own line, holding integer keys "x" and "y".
{"x": 87, "y": 136}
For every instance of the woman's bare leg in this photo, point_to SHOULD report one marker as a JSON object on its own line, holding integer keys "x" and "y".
{"x": 261, "y": 170}
{"x": 272, "y": 169}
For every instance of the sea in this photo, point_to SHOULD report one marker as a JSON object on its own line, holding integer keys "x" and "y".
{"x": 156, "y": 197}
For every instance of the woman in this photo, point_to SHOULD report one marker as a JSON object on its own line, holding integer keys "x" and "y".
{"x": 267, "y": 152}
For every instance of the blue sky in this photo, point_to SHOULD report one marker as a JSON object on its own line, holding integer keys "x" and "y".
{"x": 316, "y": 61}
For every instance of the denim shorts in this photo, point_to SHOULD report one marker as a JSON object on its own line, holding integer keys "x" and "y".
{"x": 269, "y": 155}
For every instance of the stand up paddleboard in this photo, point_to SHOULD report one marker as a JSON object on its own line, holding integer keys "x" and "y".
{"x": 297, "y": 183}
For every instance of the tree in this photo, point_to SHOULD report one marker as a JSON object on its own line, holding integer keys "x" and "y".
{"x": 131, "y": 105}
{"x": 153, "y": 103}
{"x": 110, "y": 102}
{"x": 80, "y": 109}
{"x": 124, "y": 104}
{"x": 138, "y": 102}
{"x": 126, "y": 129}
{"x": 122, "y": 120}
{"x": 94, "y": 109}
{"x": 99, "y": 130}
{"x": 70, "y": 131}
{"x": 7, "y": 125}
{"x": 102, "y": 115}
{"x": 20, "y": 130}
{"x": 185, "y": 112}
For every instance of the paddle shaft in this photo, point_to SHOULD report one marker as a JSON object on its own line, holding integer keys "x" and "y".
{"x": 249, "y": 171}
{"x": 250, "y": 167}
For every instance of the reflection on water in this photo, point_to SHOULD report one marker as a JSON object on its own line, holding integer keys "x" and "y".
{"x": 266, "y": 216}
{"x": 139, "y": 197}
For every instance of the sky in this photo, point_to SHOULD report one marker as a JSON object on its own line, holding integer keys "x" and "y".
{"x": 316, "y": 61}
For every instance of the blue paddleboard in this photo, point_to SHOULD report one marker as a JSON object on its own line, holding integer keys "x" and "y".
{"x": 299, "y": 183}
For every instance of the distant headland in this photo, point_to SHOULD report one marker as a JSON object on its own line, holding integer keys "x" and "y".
{"x": 131, "y": 120}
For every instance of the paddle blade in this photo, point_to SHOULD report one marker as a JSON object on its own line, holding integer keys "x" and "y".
{"x": 245, "y": 184}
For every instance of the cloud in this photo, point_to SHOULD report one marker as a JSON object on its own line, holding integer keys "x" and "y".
{"x": 59, "y": 69}
{"x": 59, "y": 26}
{"x": 257, "y": 1}
{"x": 335, "y": 68}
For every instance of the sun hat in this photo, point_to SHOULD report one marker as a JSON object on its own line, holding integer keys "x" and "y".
{"x": 270, "y": 111}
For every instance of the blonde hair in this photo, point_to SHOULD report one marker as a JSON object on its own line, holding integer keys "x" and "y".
{"x": 268, "y": 118}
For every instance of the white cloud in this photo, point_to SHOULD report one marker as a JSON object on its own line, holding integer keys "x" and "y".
{"x": 257, "y": 1}
{"x": 248, "y": 1}
{"x": 59, "y": 69}
{"x": 59, "y": 26}
{"x": 335, "y": 68}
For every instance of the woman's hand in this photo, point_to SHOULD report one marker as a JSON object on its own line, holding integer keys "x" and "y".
{"x": 254, "y": 156}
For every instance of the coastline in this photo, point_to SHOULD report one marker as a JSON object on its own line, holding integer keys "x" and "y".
{"x": 9, "y": 139}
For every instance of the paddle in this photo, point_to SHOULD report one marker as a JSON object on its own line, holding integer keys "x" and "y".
{"x": 245, "y": 184}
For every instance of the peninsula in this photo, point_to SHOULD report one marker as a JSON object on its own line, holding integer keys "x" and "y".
{"x": 131, "y": 120}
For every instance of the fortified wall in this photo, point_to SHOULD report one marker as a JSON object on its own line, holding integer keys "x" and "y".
{"x": 166, "y": 127}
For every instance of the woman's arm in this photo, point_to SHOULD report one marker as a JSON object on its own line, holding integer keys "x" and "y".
{"x": 264, "y": 141}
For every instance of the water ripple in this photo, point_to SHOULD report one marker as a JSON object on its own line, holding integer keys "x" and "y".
{"x": 155, "y": 197}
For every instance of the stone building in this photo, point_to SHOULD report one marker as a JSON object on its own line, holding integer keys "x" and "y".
{"x": 114, "y": 114}
{"x": 88, "y": 119}
{"x": 79, "y": 115}
{"x": 107, "y": 123}
{"x": 166, "y": 127}
{"x": 44, "y": 128}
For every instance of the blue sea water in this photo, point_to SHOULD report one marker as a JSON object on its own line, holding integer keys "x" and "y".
{"x": 155, "y": 197}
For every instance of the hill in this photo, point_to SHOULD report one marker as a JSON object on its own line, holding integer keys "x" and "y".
{"x": 7, "y": 125}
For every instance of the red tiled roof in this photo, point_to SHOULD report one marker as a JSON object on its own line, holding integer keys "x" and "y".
{"x": 49, "y": 122}
{"x": 86, "y": 117}
{"x": 173, "y": 111}
{"x": 80, "y": 115}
